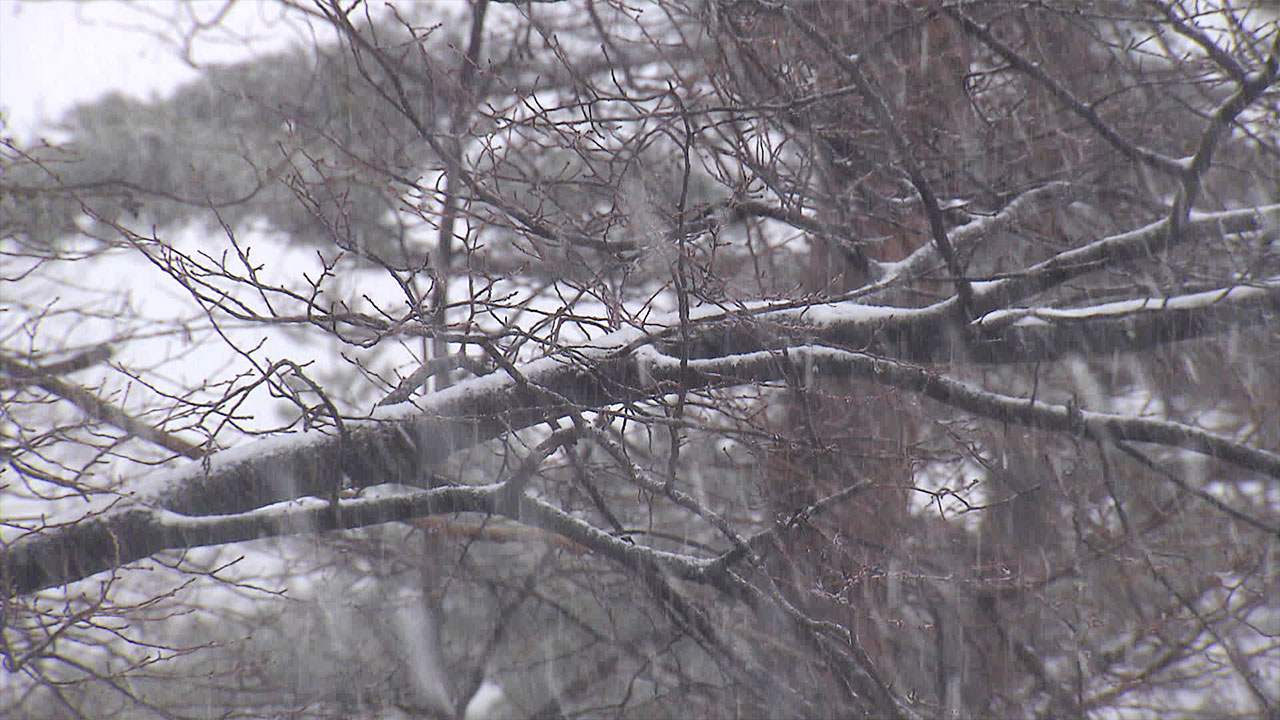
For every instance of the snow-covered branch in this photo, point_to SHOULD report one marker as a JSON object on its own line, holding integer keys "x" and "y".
{"x": 402, "y": 446}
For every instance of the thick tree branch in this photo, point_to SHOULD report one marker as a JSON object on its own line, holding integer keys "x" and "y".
{"x": 1223, "y": 117}
{"x": 1126, "y": 326}
{"x": 404, "y": 444}
{"x": 1140, "y": 244}
{"x": 1108, "y": 427}
{"x": 112, "y": 538}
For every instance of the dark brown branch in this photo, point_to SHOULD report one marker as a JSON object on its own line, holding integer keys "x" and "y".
{"x": 94, "y": 406}
{"x": 80, "y": 361}
{"x": 1129, "y": 149}
{"x": 1250, "y": 89}
{"x": 889, "y": 125}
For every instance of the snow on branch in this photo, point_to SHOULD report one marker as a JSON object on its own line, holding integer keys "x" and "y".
{"x": 815, "y": 361}
{"x": 401, "y": 446}
{"x": 233, "y": 495}
{"x": 1123, "y": 326}
{"x": 1144, "y": 242}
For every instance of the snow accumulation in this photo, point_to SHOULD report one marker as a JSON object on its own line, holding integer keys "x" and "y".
{"x": 1043, "y": 315}
{"x": 830, "y": 315}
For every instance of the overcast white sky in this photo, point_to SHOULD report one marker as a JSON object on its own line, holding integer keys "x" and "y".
{"x": 55, "y": 54}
